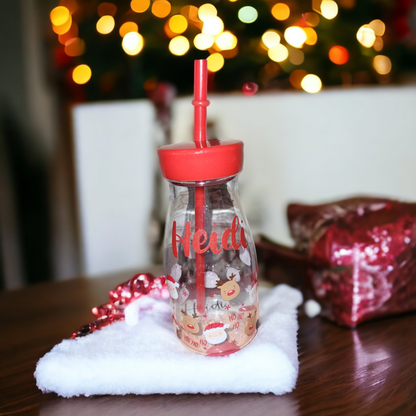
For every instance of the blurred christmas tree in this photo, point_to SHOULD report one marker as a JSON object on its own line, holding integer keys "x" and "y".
{"x": 122, "y": 49}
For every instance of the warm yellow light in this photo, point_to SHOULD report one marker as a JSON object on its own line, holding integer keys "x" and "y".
{"x": 295, "y": 36}
{"x": 191, "y": 13}
{"x": 207, "y": 11}
{"x": 296, "y": 77}
{"x": 278, "y": 53}
{"x": 329, "y": 9}
{"x": 281, "y": 11}
{"x": 378, "y": 44}
{"x": 215, "y": 62}
{"x": 270, "y": 38}
{"x": 167, "y": 30}
{"x": 178, "y": 23}
{"x": 139, "y": 6}
{"x": 127, "y": 28}
{"x": 75, "y": 47}
{"x": 231, "y": 53}
{"x": 71, "y": 5}
{"x": 311, "y": 83}
{"x": 296, "y": 56}
{"x": 132, "y": 43}
{"x": 161, "y": 8}
{"x": 81, "y": 74}
{"x": 62, "y": 29}
{"x": 72, "y": 33}
{"x": 105, "y": 25}
{"x": 311, "y": 36}
{"x": 366, "y": 36}
{"x": 179, "y": 45}
{"x": 248, "y": 14}
{"x": 312, "y": 19}
{"x": 338, "y": 55}
{"x": 203, "y": 42}
{"x": 226, "y": 41}
{"x": 107, "y": 9}
{"x": 382, "y": 64}
{"x": 213, "y": 26}
{"x": 378, "y": 26}
{"x": 59, "y": 16}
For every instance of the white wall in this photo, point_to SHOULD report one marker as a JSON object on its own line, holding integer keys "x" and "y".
{"x": 314, "y": 148}
{"x": 115, "y": 162}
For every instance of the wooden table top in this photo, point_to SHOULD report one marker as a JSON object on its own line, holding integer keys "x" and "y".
{"x": 369, "y": 371}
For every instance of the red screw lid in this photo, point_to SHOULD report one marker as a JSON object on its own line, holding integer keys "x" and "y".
{"x": 202, "y": 159}
{"x": 191, "y": 161}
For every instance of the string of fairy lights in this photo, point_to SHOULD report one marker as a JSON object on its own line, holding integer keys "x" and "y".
{"x": 213, "y": 36}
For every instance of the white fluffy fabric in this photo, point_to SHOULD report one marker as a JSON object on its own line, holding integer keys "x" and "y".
{"x": 148, "y": 358}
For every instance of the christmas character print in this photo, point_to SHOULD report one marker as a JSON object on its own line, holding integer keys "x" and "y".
{"x": 211, "y": 280}
{"x": 190, "y": 323}
{"x": 245, "y": 257}
{"x": 172, "y": 285}
{"x": 183, "y": 294}
{"x": 176, "y": 327}
{"x": 251, "y": 323}
{"x": 215, "y": 333}
{"x": 252, "y": 291}
{"x": 176, "y": 271}
{"x": 231, "y": 271}
{"x": 229, "y": 290}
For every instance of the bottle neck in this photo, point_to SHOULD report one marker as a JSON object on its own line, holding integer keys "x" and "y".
{"x": 203, "y": 183}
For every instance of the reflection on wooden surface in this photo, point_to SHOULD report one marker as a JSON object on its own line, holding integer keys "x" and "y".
{"x": 368, "y": 371}
{"x": 167, "y": 405}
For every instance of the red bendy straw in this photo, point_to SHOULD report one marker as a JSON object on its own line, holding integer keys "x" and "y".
{"x": 200, "y": 103}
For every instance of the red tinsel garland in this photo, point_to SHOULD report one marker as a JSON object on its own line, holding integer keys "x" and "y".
{"x": 125, "y": 293}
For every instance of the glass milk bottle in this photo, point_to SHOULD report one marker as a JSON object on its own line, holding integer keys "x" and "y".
{"x": 209, "y": 254}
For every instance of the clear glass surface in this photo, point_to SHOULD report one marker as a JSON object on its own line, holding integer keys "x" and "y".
{"x": 220, "y": 317}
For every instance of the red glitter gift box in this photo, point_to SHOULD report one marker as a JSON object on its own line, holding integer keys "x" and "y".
{"x": 362, "y": 257}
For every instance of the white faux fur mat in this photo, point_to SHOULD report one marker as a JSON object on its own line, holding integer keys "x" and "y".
{"x": 148, "y": 358}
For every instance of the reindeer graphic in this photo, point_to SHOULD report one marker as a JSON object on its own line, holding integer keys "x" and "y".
{"x": 190, "y": 324}
{"x": 229, "y": 290}
{"x": 251, "y": 323}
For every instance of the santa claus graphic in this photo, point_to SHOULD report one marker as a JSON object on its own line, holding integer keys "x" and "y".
{"x": 252, "y": 291}
{"x": 215, "y": 333}
{"x": 172, "y": 285}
